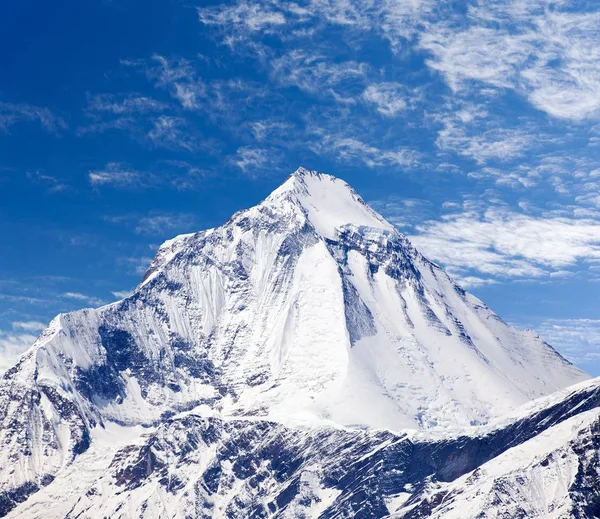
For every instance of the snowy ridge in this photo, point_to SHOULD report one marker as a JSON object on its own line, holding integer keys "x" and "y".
{"x": 544, "y": 464}
{"x": 306, "y": 311}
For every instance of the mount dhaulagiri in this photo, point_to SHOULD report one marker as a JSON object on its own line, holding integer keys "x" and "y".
{"x": 301, "y": 360}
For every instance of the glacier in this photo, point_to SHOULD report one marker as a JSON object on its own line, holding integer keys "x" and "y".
{"x": 301, "y": 360}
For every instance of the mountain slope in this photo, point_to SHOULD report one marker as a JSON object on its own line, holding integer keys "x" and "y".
{"x": 541, "y": 461}
{"x": 306, "y": 309}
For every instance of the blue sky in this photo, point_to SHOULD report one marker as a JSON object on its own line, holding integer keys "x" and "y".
{"x": 473, "y": 126}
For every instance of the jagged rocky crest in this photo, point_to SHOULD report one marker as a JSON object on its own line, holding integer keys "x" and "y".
{"x": 257, "y": 360}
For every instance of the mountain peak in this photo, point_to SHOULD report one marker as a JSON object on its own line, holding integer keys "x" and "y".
{"x": 301, "y": 178}
{"x": 329, "y": 202}
{"x": 302, "y": 171}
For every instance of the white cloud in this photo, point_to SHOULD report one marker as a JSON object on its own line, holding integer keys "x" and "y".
{"x": 177, "y": 76}
{"x": 478, "y": 53}
{"x": 576, "y": 339}
{"x": 546, "y": 50}
{"x": 177, "y": 174}
{"x": 23, "y": 299}
{"x": 165, "y": 223}
{"x": 170, "y": 132}
{"x": 510, "y": 178}
{"x": 135, "y": 265}
{"x": 29, "y": 326}
{"x": 389, "y": 98}
{"x": 502, "y": 144}
{"x": 353, "y": 150}
{"x": 53, "y": 184}
{"x": 475, "y": 281}
{"x": 498, "y": 243}
{"x": 78, "y": 296}
{"x": 122, "y": 294}
{"x": 403, "y": 212}
{"x": 396, "y": 20}
{"x": 317, "y": 73}
{"x": 12, "y": 345}
{"x": 548, "y": 55}
{"x": 569, "y": 172}
{"x": 253, "y": 160}
{"x": 267, "y": 129}
{"x": 347, "y": 13}
{"x": 188, "y": 167}
{"x": 11, "y": 114}
{"x": 468, "y": 129}
{"x": 127, "y": 124}
{"x": 180, "y": 78}
{"x": 157, "y": 224}
{"x": 115, "y": 174}
{"x": 248, "y": 16}
{"x": 124, "y": 104}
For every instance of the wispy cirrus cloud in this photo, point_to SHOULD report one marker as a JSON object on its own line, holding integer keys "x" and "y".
{"x": 503, "y": 144}
{"x": 172, "y": 132}
{"x": 388, "y": 98}
{"x": 474, "y": 130}
{"x": 577, "y": 339}
{"x": 123, "y": 104}
{"x": 119, "y": 175}
{"x": 126, "y": 124}
{"x": 130, "y": 112}
{"x": 157, "y": 224}
{"x": 122, "y": 294}
{"x": 31, "y": 300}
{"x": 164, "y": 131}
{"x": 244, "y": 17}
{"x": 498, "y": 243}
{"x": 135, "y": 265}
{"x": 29, "y": 326}
{"x": 15, "y": 113}
{"x": 51, "y": 183}
{"x": 544, "y": 50}
{"x": 571, "y": 173}
{"x": 395, "y": 20}
{"x": 177, "y": 174}
{"x": 404, "y": 212}
{"x": 84, "y": 298}
{"x": 318, "y": 74}
{"x": 178, "y": 76}
{"x": 269, "y": 129}
{"x": 12, "y": 344}
{"x": 255, "y": 160}
{"x": 353, "y": 150}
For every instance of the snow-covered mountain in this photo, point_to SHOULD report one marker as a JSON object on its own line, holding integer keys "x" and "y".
{"x": 262, "y": 360}
{"x": 540, "y": 461}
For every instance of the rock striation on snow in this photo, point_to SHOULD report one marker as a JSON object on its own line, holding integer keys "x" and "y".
{"x": 276, "y": 365}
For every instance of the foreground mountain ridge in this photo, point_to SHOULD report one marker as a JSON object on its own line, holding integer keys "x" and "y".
{"x": 306, "y": 311}
{"x": 541, "y": 461}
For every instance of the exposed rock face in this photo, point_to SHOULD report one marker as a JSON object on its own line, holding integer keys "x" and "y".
{"x": 302, "y": 324}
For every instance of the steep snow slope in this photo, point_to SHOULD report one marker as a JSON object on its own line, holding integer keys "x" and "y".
{"x": 307, "y": 308}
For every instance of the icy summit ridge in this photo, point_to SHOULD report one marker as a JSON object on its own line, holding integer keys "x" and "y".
{"x": 328, "y": 203}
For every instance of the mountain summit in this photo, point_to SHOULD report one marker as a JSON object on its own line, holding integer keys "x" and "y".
{"x": 308, "y": 308}
{"x": 310, "y": 305}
